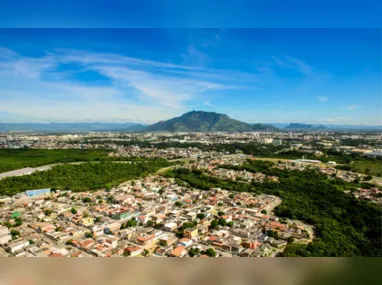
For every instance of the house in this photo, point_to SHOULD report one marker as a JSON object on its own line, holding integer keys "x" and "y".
{"x": 87, "y": 243}
{"x": 191, "y": 233}
{"x": 4, "y": 239}
{"x": 191, "y": 216}
{"x": 171, "y": 226}
{"x": 77, "y": 254}
{"x": 16, "y": 246}
{"x": 262, "y": 238}
{"x": 251, "y": 244}
{"x": 145, "y": 238}
{"x": 111, "y": 242}
{"x": 166, "y": 240}
{"x": 180, "y": 251}
{"x": 158, "y": 218}
{"x": 185, "y": 242}
{"x": 3, "y": 230}
{"x": 132, "y": 251}
{"x": 88, "y": 221}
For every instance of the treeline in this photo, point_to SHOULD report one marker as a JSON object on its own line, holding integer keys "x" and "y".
{"x": 11, "y": 159}
{"x": 81, "y": 177}
{"x": 344, "y": 226}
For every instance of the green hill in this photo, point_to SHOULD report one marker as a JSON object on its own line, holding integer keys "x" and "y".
{"x": 200, "y": 121}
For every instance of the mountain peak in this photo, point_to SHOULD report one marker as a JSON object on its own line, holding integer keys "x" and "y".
{"x": 203, "y": 121}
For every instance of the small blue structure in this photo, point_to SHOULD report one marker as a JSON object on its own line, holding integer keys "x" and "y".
{"x": 36, "y": 192}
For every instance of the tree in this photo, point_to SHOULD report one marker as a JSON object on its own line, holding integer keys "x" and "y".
{"x": 145, "y": 252}
{"x": 98, "y": 219}
{"x": 222, "y": 222}
{"x": 230, "y": 224}
{"x": 220, "y": 213}
{"x": 88, "y": 235}
{"x": 273, "y": 234}
{"x": 210, "y": 252}
{"x": 231, "y": 196}
{"x": 149, "y": 223}
{"x": 74, "y": 211}
{"x": 194, "y": 251}
{"x": 214, "y": 224}
{"x": 220, "y": 204}
{"x": 131, "y": 223}
{"x": 201, "y": 216}
{"x": 264, "y": 212}
{"x": 18, "y": 221}
{"x": 47, "y": 212}
{"x": 15, "y": 233}
{"x": 368, "y": 178}
{"x": 290, "y": 239}
{"x": 87, "y": 200}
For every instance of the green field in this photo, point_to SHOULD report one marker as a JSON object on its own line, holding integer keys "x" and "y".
{"x": 11, "y": 159}
{"x": 82, "y": 177}
{"x": 375, "y": 167}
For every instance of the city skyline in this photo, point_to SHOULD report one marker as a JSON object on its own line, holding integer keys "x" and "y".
{"x": 316, "y": 76}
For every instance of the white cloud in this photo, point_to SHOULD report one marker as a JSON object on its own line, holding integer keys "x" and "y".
{"x": 292, "y": 63}
{"x": 322, "y": 99}
{"x": 351, "y": 107}
{"x": 194, "y": 57}
{"x": 141, "y": 89}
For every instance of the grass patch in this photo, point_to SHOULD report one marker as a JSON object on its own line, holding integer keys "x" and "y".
{"x": 11, "y": 159}
{"x": 375, "y": 167}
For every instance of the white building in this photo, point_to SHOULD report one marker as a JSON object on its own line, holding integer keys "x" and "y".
{"x": 277, "y": 142}
{"x": 13, "y": 247}
{"x": 265, "y": 140}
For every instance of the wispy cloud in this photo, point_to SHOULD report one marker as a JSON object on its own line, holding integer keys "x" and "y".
{"x": 195, "y": 57}
{"x": 144, "y": 89}
{"x": 292, "y": 63}
{"x": 323, "y": 99}
{"x": 350, "y": 107}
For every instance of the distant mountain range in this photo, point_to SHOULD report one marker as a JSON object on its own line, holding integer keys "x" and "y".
{"x": 322, "y": 127}
{"x": 194, "y": 121}
{"x": 70, "y": 127}
{"x": 304, "y": 127}
{"x": 200, "y": 121}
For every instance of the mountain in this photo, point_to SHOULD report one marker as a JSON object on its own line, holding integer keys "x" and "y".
{"x": 308, "y": 127}
{"x": 200, "y": 121}
{"x": 70, "y": 127}
{"x": 304, "y": 127}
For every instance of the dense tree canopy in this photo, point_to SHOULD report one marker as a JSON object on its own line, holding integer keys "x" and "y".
{"x": 87, "y": 176}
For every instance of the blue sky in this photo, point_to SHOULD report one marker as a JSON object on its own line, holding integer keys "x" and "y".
{"x": 191, "y": 13}
{"x": 146, "y": 75}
